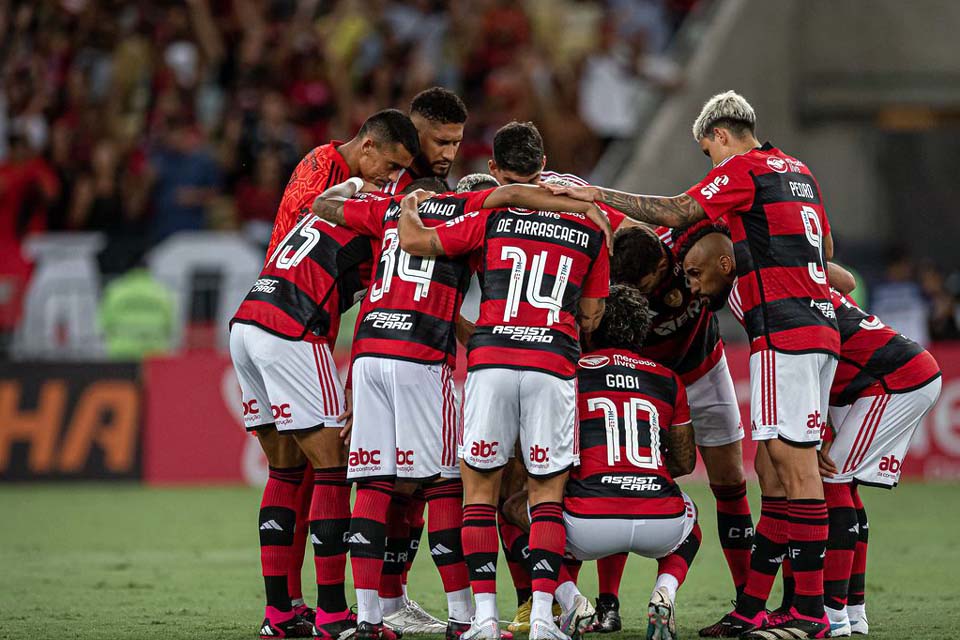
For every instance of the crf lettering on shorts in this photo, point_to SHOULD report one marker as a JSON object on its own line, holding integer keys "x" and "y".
{"x": 484, "y": 449}
{"x": 362, "y": 457}
{"x": 539, "y": 454}
{"x": 386, "y": 320}
{"x": 525, "y": 334}
{"x": 633, "y": 483}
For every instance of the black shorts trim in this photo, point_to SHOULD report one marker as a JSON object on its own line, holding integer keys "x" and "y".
{"x": 268, "y": 425}
{"x": 547, "y": 476}
{"x": 387, "y": 477}
{"x": 878, "y": 485}
{"x": 490, "y": 470}
{"x": 305, "y": 430}
{"x": 625, "y": 516}
{"x": 422, "y": 480}
{"x": 798, "y": 445}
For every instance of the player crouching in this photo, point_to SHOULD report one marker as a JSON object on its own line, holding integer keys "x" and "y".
{"x": 884, "y": 385}
{"x": 635, "y": 437}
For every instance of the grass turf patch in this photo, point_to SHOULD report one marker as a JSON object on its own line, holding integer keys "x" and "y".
{"x": 122, "y": 561}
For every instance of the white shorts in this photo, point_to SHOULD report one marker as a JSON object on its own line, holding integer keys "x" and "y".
{"x": 502, "y": 405}
{"x": 590, "y": 539}
{"x": 405, "y": 420}
{"x": 790, "y": 395}
{"x": 714, "y": 407}
{"x": 874, "y": 433}
{"x": 292, "y": 384}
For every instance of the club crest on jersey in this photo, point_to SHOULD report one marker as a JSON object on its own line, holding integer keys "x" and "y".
{"x": 594, "y": 362}
{"x": 673, "y": 298}
{"x": 777, "y": 164}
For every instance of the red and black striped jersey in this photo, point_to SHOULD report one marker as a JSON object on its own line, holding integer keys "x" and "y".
{"x": 319, "y": 170}
{"x": 773, "y": 207}
{"x": 684, "y": 334}
{"x": 874, "y": 358}
{"x": 312, "y": 277}
{"x": 625, "y": 403}
{"x": 534, "y": 268}
{"x": 411, "y": 307}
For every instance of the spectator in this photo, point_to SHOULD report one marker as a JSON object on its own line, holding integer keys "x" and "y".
{"x": 185, "y": 180}
{"x": 899, "y": 300}
{"x": 136, "y": 317}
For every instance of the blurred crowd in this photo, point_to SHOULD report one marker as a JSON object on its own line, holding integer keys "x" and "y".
{"x": 143, "y": 118}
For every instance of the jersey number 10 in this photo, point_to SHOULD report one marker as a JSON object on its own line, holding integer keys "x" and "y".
{"x": 631, "y": 423}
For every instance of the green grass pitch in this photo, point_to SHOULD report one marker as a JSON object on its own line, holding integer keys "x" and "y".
{"x": 121, "y": 561}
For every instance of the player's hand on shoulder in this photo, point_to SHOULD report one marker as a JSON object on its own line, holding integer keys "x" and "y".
{"x": 600, "y": 219}
{"x": 585, "y": 193}
{"x": 414, "y": 198}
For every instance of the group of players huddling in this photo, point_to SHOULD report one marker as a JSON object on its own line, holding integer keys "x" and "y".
{"x": 595, "y": 373}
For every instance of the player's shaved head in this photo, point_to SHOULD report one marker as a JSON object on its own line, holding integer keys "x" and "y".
{"x": 709, "y": 263}
{"x": 390, "y": 127}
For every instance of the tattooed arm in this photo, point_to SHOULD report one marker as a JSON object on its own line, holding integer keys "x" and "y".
{"x": 678, "y": 211}
{"x": 680, "y": 452}
{"x": 415, "y": 238}
{"x": 329, "y": 204}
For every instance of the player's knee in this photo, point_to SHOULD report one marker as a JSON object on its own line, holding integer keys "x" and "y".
{"x": 546, "y": 489}
{"x": 280, "y": 452}
{"x": 322, "y": 447}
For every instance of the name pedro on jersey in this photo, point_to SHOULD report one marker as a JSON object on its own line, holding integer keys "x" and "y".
{"x": 543, "y": 229}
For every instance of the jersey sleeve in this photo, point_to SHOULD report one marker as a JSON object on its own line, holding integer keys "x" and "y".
{"x": 464, "y": 234}
{"x": 728, "y": 188}
{"x": 615, "y": 217}
{"x": 597, "y": 282}
{"x": 475, "y": 199}
{"x": 681, "y": 408}
{"x": 365, "y": 216}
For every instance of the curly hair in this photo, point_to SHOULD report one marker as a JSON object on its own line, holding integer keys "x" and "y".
{"x": 636, "y": 253}
{"x": 439, "y": 105}
{"x": 625, "y": 322}
{"x": 685, "y": 237}
{"x": 476, "y": 182}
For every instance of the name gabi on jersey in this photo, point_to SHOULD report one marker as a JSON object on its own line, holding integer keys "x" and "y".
{"x": 633, "y": 483}
{"x": 264, "y": 285}
{"x": 540, "y": 229}
{"x": 525, "y": 334}
{"x": 388, "y": 320}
